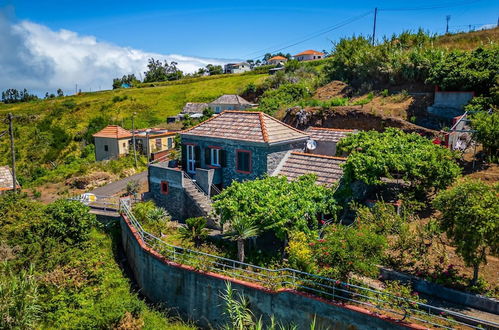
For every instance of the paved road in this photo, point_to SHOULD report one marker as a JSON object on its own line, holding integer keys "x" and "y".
{"x": 116, "y": 187}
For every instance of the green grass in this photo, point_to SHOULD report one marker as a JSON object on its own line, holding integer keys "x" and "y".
{"x": 52, "y": 135}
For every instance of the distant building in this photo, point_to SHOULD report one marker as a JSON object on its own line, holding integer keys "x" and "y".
{"x": 230, "y": 102}
{"x": 192, "y": 108}
{"x": 6, "y": 179}
{"x": 309, "y": 55}
{"x": 154, "y": 142}
{"x": 111, "y": 142}
{"x": 237, "y": 67}
{"x": 277, "y": 60}
{"x": 114, "y": 141}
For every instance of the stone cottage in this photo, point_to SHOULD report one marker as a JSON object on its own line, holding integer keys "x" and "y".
{"x": 229, "y": 102}
{"x": 235, "y": 145}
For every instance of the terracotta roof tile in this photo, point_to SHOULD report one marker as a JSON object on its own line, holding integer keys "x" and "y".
{"x": 326, "y": 168}
{"x": 277, "y": 58}
{"x": 114, "y": 132}
{"x": 328, "y": 134}
{"x": 246, "y": 126}
{"x": 310, "y": 52}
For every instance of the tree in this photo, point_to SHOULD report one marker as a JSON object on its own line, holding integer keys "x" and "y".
{"x": 71, "y": 221}
{"x": 157, "y": 71}
{"x": 395, "y": 154}
{"x": 275, "y": 204}
{"x": 470, "y": 218}
{"x": 214, "y": 69}
{"x": 60, "y": 93}
{"x": 129, "y": 80}
{"x": 486, "y": 126}
{"x": 241, "y": 230}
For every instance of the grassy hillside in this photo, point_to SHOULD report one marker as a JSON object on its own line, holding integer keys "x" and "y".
{"x": 53, "y": 136}
{"x": 469, "y": 40}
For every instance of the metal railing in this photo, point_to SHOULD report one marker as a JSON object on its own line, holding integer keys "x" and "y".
{"x": 105, "y": 203}
{"x": 317, "y": 285}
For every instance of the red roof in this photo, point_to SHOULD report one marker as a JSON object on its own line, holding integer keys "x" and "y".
{"x": 310, "y": 52}
{"x": 113, "y": 132}
{"x": 277, "y": 58}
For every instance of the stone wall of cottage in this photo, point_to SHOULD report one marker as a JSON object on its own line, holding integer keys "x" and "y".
{"x": 175, "y": 200}
{"x": 264, "y": 159}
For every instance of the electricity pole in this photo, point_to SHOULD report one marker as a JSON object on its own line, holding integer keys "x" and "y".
{"x": 447, "y": 18}
{"x": 133, "y": 139}
{"x": 13, "y": 152}
{"x": 374, "y": 25}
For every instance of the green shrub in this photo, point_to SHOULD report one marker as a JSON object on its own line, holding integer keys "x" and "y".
{"x": 195, "y": 230}
{"x": 486, "y": 131}
{"x": 70, "y": 222}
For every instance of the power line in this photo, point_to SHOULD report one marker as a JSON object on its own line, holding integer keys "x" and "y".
{"x": 323, "y": 30}
{"x": 334, "y": 27}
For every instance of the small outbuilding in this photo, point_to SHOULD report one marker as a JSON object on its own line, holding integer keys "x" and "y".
{"x": 7, "y": 179}
{"x": 309, "y": 55}
{"x": 111, "y": 142}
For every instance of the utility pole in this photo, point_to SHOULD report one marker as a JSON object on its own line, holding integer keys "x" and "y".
{"x": 133, "y": 139}
{"x": 374, "y": 25}
{"x": 13, "y": 152}
{"x": 447, "y": 18}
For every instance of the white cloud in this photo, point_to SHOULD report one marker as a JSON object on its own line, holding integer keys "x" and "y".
{"x": 35, "y": 57}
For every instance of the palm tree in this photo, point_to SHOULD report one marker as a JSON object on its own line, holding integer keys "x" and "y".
{"x": 241, "y": 230}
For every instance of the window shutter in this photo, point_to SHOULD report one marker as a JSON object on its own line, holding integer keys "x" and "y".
{"x": 207, "y": 156}
{"x": 197, "y": 156}
{"x": 223, "y": 158}
{"x": 184, "y": 157}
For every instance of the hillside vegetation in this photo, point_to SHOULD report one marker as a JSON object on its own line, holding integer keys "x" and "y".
{"x": 54, "y": 136}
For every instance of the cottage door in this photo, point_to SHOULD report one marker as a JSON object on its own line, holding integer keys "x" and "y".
{"x": 191, "y": 160}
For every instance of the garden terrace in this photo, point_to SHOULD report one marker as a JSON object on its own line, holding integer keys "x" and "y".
{"x": 327, "y": 288}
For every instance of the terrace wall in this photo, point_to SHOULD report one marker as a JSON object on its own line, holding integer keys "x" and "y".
{"x": 195, "y": 295}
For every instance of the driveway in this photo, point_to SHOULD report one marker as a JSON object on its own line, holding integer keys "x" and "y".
{"x": 117, "y": 187}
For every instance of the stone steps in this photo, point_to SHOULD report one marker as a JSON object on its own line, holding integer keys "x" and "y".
{"x": 200, "y": 199}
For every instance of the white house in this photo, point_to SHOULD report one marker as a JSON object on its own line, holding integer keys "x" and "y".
{"x": 237, "y": 67}
{"x": 276, "y": 60}
{"x": 309, "y": 55}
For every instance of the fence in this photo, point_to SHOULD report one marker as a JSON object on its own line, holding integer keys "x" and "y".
{"x": 320, "y": 286}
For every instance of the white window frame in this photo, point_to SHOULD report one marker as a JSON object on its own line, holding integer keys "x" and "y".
{"x": 215, "y": 156}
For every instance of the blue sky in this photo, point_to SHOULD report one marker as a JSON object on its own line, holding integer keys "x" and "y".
{"x": 240, "y": 29}
{"x": 51, "y": 44}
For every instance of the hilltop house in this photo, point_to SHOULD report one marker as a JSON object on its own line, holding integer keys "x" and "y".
{"x": 309, "y": 55}
{"x": 276, "y": 60}
{"x": 229, "y": 102}
{"x": 237, "y": 67}
{"x": 234, "y": 146}
{"x": 7, "y": 180}
{"x": 111, "y": 142}
{"x": 114, "y": 141}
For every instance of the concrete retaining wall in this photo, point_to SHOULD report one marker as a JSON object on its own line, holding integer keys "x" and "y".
{"x": 475, "y": 301}
{"x": 195, "y": 295}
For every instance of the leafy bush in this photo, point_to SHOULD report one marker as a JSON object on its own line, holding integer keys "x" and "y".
{"x": 486, "y": 126}
{"x": 477, "y": 70}
{"x": 344, "y": 250}
{"x": 195, "y": 230}
{"x": 286, "y": 94}
{"x": 393, "y": 153}
{"x": 382, "y": 218}
{"x": 70, "y": 222}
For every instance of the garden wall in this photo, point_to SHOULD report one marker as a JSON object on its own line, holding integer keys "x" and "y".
{"x": 195, "y": 295}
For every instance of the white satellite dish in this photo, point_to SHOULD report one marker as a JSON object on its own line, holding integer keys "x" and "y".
{"x": 311, "y": 144}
